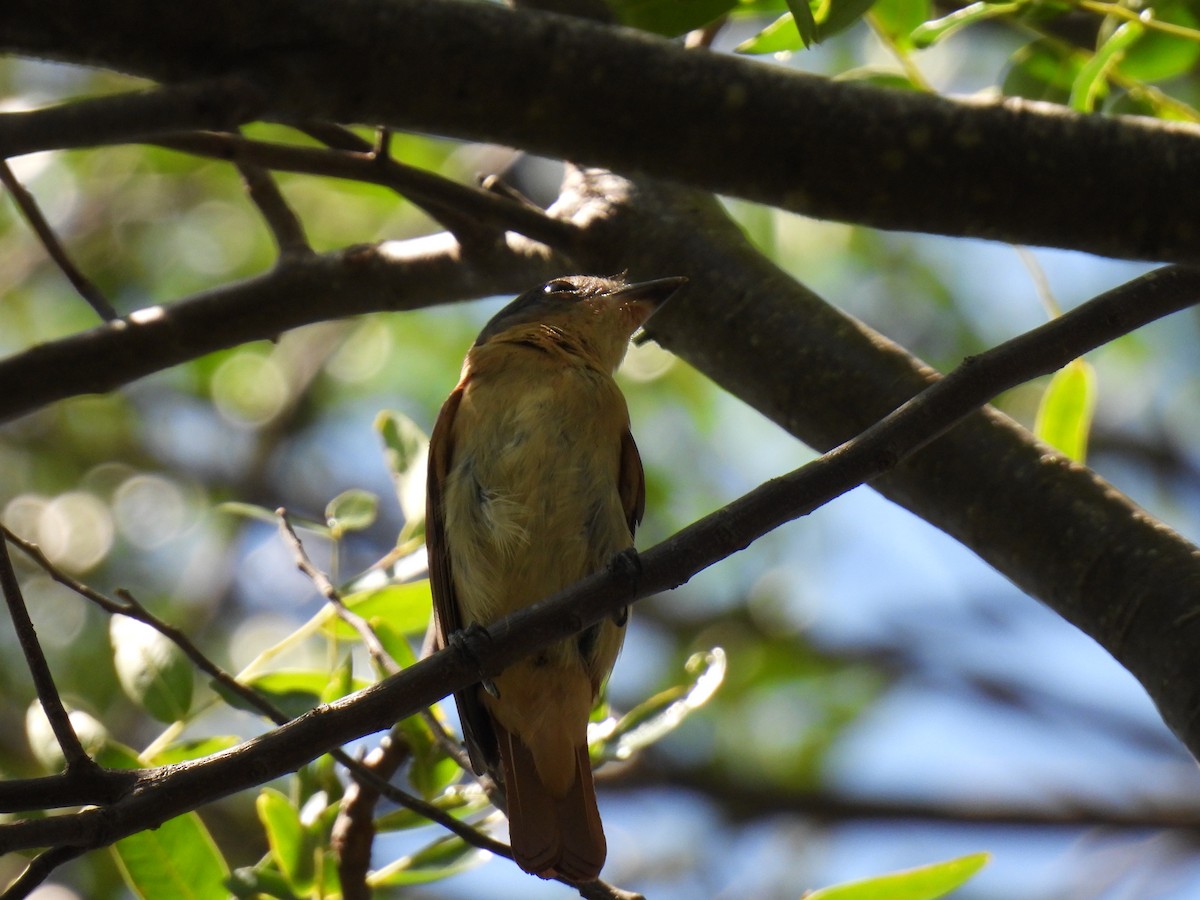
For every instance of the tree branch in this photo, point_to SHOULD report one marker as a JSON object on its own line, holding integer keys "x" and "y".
{"x": 394, "y": 275}
{"x": 43, "y": 680}
{"x": 217, "y": 103}
{"x": 830, "y": 149}
{"x": 441, "y": 195}
{"x": 33, "y": 215}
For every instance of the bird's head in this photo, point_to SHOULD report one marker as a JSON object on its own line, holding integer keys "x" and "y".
{"x": 600, "y": 314}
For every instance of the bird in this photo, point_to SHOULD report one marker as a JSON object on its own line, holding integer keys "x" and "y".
{"x": 535, "y": 482}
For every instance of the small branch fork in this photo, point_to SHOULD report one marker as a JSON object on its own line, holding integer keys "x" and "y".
{"x": 172, "y": 790}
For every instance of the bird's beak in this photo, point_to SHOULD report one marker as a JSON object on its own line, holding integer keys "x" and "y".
{"x": 642, "y": 300}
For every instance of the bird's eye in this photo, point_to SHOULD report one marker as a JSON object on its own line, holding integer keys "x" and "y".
{"x": 558, "y": 287}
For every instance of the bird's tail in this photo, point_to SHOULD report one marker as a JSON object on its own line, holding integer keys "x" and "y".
{"x": 551, "y": 835}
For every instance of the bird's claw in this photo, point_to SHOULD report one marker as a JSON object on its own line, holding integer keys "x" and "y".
{"x": 465, "y": 641}
{"x": 625, "y": 564}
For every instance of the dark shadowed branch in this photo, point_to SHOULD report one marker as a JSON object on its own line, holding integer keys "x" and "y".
{"x": 831, "y": 149}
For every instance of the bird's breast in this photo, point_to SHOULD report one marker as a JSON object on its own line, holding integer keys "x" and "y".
{"x": 531, "y": 497}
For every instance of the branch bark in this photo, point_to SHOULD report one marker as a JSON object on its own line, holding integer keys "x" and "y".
{"x": 1009, "y": 170}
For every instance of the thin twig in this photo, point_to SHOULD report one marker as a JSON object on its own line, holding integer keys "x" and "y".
{"x": 424, "y": 188}
{"x": 43, "y": 680}
{"x": 39, "y": 869}
{"x": 382, "y": 659}
{"x": 285, "y": 225}
{"x": 37, "y": 221}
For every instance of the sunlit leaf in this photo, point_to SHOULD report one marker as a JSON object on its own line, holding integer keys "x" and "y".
{"x": 430, "y": 771}
{"x": 650, "y": 721}
{"x": 406, "y": 451}
{"x": 1064, "y": 417}
{"x": 286, "y": 836}
{"x": 923, "y": 883}
{"x": 1158, "y": 56}
{"x": 258, "y": 882}
{"x": 937, "y": 30}
{"x": 295, "y": 692}
{"x": 778, "y": 37}
{"x": 196, "y": 748}
{"x": 154, "y": 673}
{"x": 405, "y": 607}
{"x": 270, "y": 516}
{"x": 458, "y": 800}
{"x": 1092, "y": 80}
{"x": 352, "y": 510}
{"x": 444, "y": 857}
{"x": 91, "y": 733}
{"x": 177, "y": 860}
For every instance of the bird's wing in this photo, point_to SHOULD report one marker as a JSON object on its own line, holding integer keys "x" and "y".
{"x": 631, "y": 483}
{"x": 446, "y": 618}
{"x": 477, "y": 730}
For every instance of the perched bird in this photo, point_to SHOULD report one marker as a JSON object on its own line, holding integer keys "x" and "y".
{"x": 535, "y": 482}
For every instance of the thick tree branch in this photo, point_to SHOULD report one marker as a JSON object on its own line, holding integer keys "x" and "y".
{"x": 594, "y": 93}
{"x": 395, "y": 275}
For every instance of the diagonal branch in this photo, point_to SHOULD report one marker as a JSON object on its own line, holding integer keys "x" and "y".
{"x": 78, "y": 762}
{"x": 281, "y": 219}
{"x": 33, "y": 215}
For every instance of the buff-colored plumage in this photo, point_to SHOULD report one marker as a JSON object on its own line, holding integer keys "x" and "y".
{"x": 535, "y": 482}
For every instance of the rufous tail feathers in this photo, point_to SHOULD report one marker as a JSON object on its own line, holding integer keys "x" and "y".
{"x": 551, "y": 835}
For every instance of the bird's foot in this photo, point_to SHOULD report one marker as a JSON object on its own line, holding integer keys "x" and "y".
{"x": 467, "y": 642}
{"x": 626, "y": 565}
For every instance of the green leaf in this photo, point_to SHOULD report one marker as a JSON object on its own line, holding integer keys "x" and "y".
{"x": 838, "y": 15}
{"x": 430, "y": 771}
{"x": 922, "y": 883}
{"x": 669, "y": 17}
{"x": 91, "y": 733}
{"x": 1064, "y": 416}
{"x": 154, "y": 673}
{"x": 650, "y": 721}
{"x": 193, "y": 749}
{"x": 444, "y": 857}
{"x": 806, "y": 23}
{"x": 405, "y": 607}
{"x": 176, "y": 861}
{"x": 1158, "y": 55}
{"x": 1040, "y": 71}
{"x": 1092, "y": 80}
{"x": 340, "y": 682}
{"x": 457, "y": 799}
{"x": 406, "y": 452}
{"x": 287, "y": 837}
{"x": 295, "y": 691}
{"x": 352, "y": 510}
{"x": 898, "y": 19}
{"x": 778, "y": 37}
{"x": 255, "y": 883}
{"x": 932, "y": 32}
